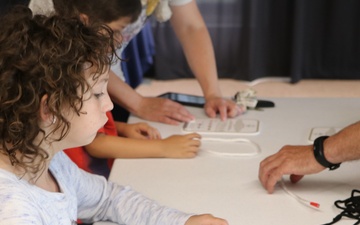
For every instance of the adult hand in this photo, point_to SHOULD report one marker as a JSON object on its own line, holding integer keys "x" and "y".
{"x": 205, "y": 219}
{"x": 294, "y": 160}
{"x": 163, "y": 110}
{"x": 225, "y": 107}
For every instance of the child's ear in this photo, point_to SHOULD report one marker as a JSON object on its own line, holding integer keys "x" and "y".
{"x": 45, "y": 114}
{"x": 84, "y": 18}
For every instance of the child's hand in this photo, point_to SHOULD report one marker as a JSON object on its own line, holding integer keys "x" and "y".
{"x": 181, "y": 146}
{"x": 205, "y": 219}
{"x": 140, "y": 131}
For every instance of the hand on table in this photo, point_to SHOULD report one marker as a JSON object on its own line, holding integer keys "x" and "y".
{"x": 225, "y": 107}
{"x": 163, "y": 110}
{"x": 294, "y": 160}
{"x": 139, "y": 131}
{"x": 205, "y": 219}
{"x": 181, "y": 146}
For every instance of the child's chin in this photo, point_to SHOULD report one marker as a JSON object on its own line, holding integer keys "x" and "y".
{"x": 89, "y": 140}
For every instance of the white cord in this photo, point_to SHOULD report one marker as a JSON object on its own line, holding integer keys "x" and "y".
{"x": 241, "y": 140}
{"x": 313, "y": 205}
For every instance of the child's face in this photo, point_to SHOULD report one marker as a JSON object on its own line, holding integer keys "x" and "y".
{"x": 118, "y": 25}
{"x": 93, "y": 113}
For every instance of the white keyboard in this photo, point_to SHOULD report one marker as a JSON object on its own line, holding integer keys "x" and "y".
{"x": 231, "y": 126}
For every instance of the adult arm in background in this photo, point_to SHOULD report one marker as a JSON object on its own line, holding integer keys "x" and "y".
{"x": 195, "y": 40}
{"x": 148, "y": 108}
{"x": 298, "y": 161}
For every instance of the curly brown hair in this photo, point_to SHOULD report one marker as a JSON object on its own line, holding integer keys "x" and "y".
{"x": 44, "y": 56}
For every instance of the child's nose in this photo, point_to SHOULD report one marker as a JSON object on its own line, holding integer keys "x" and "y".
{"x": 108, "y": 104}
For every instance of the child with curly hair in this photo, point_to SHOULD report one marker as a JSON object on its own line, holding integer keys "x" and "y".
{"x": 53, "y": 95}
{"x": 119, "y": 139}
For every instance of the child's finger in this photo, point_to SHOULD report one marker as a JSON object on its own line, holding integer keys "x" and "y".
{"x": 153, "y": 133}
{"x": 193, "y": 136}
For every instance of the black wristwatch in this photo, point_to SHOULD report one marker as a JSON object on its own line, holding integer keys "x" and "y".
{"x": 319, "y": 154}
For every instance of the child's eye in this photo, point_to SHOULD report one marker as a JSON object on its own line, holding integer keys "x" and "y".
{"x": 98, "y": 95}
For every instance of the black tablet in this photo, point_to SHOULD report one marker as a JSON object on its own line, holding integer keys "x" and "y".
{"x": 185, "y": 99}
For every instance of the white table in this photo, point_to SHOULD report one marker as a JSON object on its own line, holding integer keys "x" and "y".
{"x": 228, "y": 187}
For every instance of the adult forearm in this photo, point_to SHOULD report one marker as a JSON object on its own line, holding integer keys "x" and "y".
{"x": 122, "y": 94}
{"x": 200, "y": 56}
{"x": 343, "y": 146}
{"x": 194, "y": 37}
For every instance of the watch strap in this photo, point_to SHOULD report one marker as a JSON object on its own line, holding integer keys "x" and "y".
{"x": 318, "y": 148}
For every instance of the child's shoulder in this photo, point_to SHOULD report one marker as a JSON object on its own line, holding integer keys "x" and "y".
{"x": 25, "y": 203}
{"x": 13, "y": 193}
{"x": 21, "y": 202}
{"x": 8, "y": 180}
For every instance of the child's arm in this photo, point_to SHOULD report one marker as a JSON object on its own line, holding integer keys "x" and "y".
{"x": 176, "y": 146}
{"x": 137, "y": 130}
